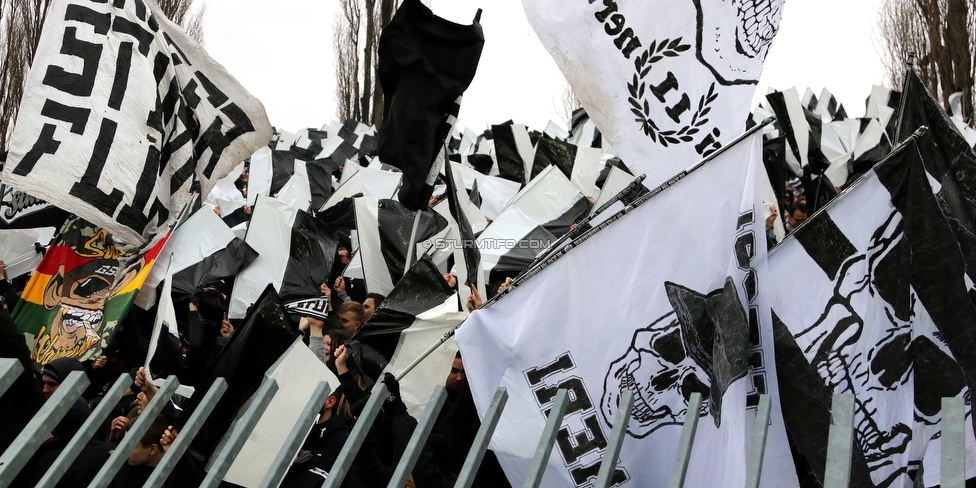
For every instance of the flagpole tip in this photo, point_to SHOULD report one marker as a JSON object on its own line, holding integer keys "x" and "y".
{"x": 477, "y": 17}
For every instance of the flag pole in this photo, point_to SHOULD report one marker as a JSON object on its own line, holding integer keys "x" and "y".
{"x": 583, "y": 225}
{"x": 525, "y": 275}
{"x": 412, "y": 244}
{"x": 910, "y": 66}
{"x": 586, "y": 235}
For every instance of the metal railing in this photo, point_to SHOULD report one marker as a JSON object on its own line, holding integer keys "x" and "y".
{"x": 12, "y": 461}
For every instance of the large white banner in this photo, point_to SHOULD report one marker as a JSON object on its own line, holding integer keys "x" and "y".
{"x": 666, "y": 81}
{"x": 124, "y": 117}
{"x": 665, "y": 302}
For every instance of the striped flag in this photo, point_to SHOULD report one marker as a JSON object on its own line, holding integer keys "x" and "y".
{"x": 384, "y": 228}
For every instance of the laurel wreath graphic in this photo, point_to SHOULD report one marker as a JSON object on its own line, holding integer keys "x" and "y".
{"x": 640, "y": 107}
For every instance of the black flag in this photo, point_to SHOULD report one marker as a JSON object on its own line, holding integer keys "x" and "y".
{"x": 425, "y": 64}
{"x": 948, "y": 159}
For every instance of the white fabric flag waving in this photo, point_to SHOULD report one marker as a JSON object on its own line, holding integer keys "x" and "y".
{"x": 666, "y": 81}
{"x": 124, "y": 117}
{"x": 640, "y": 306}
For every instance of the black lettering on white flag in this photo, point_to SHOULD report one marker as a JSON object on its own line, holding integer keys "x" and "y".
{"x": 124, "y": 117}
{"x": 683, "y": 72}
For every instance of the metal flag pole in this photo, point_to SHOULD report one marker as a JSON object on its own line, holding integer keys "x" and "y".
{"x": 613, "y": 218}
{"x": 909, "y": 67}
{"x": 586, "y": 235}
{"x": 583, "y": 225}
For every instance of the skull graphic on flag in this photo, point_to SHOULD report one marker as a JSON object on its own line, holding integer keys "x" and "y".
{"x": 701, "y": 345}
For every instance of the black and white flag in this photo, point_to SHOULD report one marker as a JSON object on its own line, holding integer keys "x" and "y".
{"x": 295, "y": 254}
{"x": 540, "y": 213}
{"x": 677, "y": 325}
{"x": 384, "y": 228}
{"x": 666, "y": 82}
{"x": 417, "y": 313}
{"x": 467, "y": 256}
{"x": 124, "y": 118}
{"x": 870, "y": 297}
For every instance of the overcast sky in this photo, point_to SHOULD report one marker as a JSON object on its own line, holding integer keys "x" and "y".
{"x": 282, "y": 52}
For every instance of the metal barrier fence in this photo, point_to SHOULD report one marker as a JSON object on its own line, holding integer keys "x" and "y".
{"x": 837, "y": 475}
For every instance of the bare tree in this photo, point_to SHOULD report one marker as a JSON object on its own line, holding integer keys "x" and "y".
{"x": 181, "y": 13}
{"x": 355, "y": 41}
{"x": 940, "y": 32}
{"x": 345, "y": 43}
{"x": 568, "y": 103}
{"x": 20, "y": 30}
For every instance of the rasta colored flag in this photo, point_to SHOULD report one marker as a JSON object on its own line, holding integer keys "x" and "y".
{"x": 77, "y": 296}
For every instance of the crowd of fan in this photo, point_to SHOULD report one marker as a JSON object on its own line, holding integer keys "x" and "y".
{"x": 204, "y": 330}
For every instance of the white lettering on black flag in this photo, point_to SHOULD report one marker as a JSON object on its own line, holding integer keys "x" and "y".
{"x": 124, "y": 117}
{"x": 633, "y": 308}
{"x": 666, "y": 82}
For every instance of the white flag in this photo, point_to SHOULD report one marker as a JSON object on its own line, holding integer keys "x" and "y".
{"x": 640, "y": 306}
{"x": 124, "y": 117}
{"x": 666, "y": 82}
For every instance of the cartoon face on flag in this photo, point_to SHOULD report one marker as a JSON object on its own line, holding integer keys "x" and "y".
{"x": 680, "y": 75}
{"x": 735, "y": 50}
{"x": 77, "y": 295}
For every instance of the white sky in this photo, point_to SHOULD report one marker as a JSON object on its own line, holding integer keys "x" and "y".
{"x": 281, "y": 51}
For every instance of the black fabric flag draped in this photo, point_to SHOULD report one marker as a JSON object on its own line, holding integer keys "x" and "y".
{"x": 220, "y": 265}
{"x": 455, "y": 201}
{"x": 557, "y": 153}
{"x": 313, "y": 248}
{"x": 425, "y": 64}
{"x": 421, "y": 289}
{"x": 261, "y": 339}
{"x": 511, "y": 163}
{"x": 948, "y": 159}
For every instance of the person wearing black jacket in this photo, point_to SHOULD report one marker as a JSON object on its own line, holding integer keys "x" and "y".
{"x": 23, "y": 399}
{"x": 390, "y": 433}
{"x": 323, "y": 445}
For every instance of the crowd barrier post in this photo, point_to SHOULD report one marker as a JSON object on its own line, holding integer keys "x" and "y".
{"x": 686, "y": 442}
{"x": 356, "y": 437}
{"x": 538, "y": 467}
{"x": 135, "y": 433}
{"x": 617, "y": 433}
{"x": 758, "y": 449}
{"x": 240, "y": 432}
{"x": 419, "y": 438}
{"x": 10, "y": 370}
{"x": 477, "y": 452}
{"x": 43, "y": 422}
{"x": 279, "y": 467}
{"x": 953, "y": 469}
{"x": 837, "y": 473}
{"x": 186, "y": 436}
